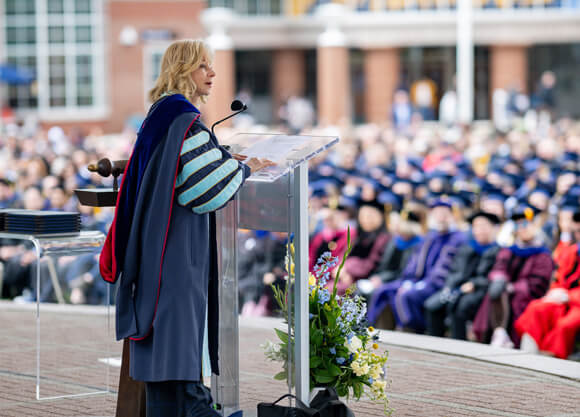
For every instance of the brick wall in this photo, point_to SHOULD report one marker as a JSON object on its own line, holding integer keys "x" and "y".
{"x": 508, "y": 67}
{"x": 125, "y": 77}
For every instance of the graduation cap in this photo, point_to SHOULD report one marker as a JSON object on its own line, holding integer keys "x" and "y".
{"x": 524, "y": 212}
{"x": 532, "y": 165}
{"x": 372, "y": 203}
{"x": 570, "y": 156}
{"x": 467, "y": 197}
{"x": 343, "y": 203}
{"x": 574, "y": 191}
{"x": 515, "y": 179}
{"x": 570, "y": 203}
{"x": 320, "y": 187}
{"x": 390, "y": 198}
{"x": 568, "y": 170}
{"x": 489, "y": 188}
{"x": 542, "y": 190}
{"x": 437, "y": 174}
{"x": 416, "y": 163}
{"x": 441, "y": 201}
{"x": 489, "y": 216}
{"x": 410, "y": 216}
{"x": 496, "y": 195}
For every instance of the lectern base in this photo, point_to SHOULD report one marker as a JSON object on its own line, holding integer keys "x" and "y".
{"x": 131, "y": 401}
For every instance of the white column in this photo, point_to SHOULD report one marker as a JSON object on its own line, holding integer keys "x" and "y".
{"x": 465, "y": 69}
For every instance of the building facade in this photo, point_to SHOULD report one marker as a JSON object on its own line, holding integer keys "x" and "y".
{"x": 96, "y": 59}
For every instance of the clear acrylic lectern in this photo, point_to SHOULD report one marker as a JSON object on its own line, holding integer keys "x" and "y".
{"x": 274, "y": 199}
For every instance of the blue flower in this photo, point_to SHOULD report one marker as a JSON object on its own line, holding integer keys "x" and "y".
{"x": 371, "y": 380}
{"x": 340, "y": 360}
{"x": 324, "y": 257}
{"x": 323, "y": 296}
{"x": 333, "y": 350}
{"x": 311, "y": 315}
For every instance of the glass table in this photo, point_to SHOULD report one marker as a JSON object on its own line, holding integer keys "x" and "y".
{"x": 62, "y": 352}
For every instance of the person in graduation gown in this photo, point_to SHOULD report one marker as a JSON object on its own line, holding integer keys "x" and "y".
{"x": 332, "y": 238}
{"x": 551, "y": 323}
{"x": 424, "y": 274}
{"x": 521, "y": 273}
{"x": 408, "y": 233}
{"x": 466, "y": 283}
{"x": 368, "y": 246}
{"x": 162, "y": 242}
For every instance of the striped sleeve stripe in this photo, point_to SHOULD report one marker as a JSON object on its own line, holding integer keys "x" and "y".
{"x": 210, "y": 181}
{"x": 196, "y": 164}
{"x": 194, "y": 142}
{"x": 223, "y": 197}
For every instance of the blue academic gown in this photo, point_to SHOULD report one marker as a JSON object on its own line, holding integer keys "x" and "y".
{"x": 169, "y": 267}
{"x": 423, "y": 276}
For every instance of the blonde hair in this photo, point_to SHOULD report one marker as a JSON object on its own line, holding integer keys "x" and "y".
{"x": 179, "y": 60}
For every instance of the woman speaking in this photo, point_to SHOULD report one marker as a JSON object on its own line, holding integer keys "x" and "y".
{"x": 162, "y": 243}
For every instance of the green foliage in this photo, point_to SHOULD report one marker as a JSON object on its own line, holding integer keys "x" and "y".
{"x": 342, "y": 346}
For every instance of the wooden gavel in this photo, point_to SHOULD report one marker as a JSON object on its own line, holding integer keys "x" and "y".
{"x": 105, "y": 167}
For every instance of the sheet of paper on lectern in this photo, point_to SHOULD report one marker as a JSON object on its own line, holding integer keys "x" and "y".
{"x": 287, "y": 151}
{"x": 276, "y": 148}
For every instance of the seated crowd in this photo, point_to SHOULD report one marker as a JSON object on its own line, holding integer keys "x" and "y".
{"x": 469, "y": 232}
{"x": 473, "y": 234}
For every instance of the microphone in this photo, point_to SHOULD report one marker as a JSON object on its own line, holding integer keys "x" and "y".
{"x": 237, "y": 106}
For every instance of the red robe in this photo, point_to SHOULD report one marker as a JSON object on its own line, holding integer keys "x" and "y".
{"x": 554, "y": 326}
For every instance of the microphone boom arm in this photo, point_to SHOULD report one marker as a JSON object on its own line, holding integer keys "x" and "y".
{"x": 244, "y": 108}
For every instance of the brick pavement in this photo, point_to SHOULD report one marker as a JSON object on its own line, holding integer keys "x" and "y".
{"x": 422, "y": 383}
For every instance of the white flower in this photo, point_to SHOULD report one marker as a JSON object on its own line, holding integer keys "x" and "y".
{"x": 354, "y": 345}
{"x": 272, "y": 351}
{"x": 359, "y": 369}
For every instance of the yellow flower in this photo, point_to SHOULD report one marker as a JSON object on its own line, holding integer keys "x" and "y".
{"x": 375, "y": 346}
{"x": 327, "y": 307}
{"x": 379, "y": 385}
{"x": 359, "y": 369}
{"x": 376, "y": 372}
{"x": 312, "y": 280}
{"x": 371, "y": 329}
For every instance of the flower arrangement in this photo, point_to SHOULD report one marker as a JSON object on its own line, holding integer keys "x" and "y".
{"x": 343, "y": 348}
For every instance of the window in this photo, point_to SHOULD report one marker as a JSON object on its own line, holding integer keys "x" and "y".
{"x": 156, "y": 58}
{"x": 55, "y": 6}
{"x": 25, "y": 7}
{"x": 16, "y": 35}
{"x": 152, "y": 56}
{"x": 83, "y": 34}
{"x": 82, "y": 6}
{"x": 22, "y": 95}
{"x": 71, "y": 34}
{"x": 57, "y": 81}
{"x": 84, "y": 80}
{"x": 252, "y": 7}
{"x": 56, "y": 34}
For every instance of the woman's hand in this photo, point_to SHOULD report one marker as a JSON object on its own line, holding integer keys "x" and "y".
{"x": 256, "y": 164}
{"x": 239, "y": 157}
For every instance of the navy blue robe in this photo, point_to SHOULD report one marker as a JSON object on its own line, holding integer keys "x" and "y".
{"x": 169, "y": 268}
